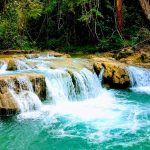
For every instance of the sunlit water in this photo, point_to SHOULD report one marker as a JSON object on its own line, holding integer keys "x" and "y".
{"x": 122, "y": 122}
{"x": 108, "y": 119}
{"x": 140, "y": 79}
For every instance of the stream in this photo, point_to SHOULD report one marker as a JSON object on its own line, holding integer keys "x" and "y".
{"x": 78, "y": 113}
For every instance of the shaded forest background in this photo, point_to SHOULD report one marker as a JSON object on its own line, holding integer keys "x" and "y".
{"x": 70, "y": 25}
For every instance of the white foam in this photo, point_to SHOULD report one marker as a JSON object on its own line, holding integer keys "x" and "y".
{"x": 140, "y": 79}
{"x": 3, "y": 67}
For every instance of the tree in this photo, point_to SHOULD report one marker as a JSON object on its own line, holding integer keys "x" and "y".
{"x": 119, "y": 17}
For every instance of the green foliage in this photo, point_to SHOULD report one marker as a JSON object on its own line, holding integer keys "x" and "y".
{"x": 69, "y": 25}
{"x": 55, "y": 43}
{"x": 14, "y": 21}
{"x": 116, "y": 42}
{"x": 88, "y": 16}
{"x": 3, "y": 25}
{"x": 143, "y": 34}
{"x": 83, "y": 49}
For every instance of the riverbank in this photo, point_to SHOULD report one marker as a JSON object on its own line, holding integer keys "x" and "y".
{"x": 139, "y": 56}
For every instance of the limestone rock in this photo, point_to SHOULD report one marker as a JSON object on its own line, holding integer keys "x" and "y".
{"x": 115, "y": 74}
{"x": 124, "y": 53}
{"x": 12, "y": 65}
{"x": 145, "y": 58}
{"x": 8, "y": 105}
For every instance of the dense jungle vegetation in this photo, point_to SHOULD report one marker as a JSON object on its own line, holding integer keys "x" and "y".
{"x": 70, "y": 25}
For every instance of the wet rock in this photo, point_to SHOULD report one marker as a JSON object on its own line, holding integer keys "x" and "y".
{"x": 39, "y": 86}
{"x": 12, "y": 52}
{"x": 98, "y": 67}
{"x": 66, "y": 56}
{"x": 8, "y": 104}
{"x": 12, "y": 65}
{"x": 145, "y": 58}
{"x": 17, "y": 54}
{"x": 140, "y": 57}
{"x": 30, "y": 56}
{"x": 115, "y": 74}
{"x": 124, "y": 53}
{"x": 72, "y": 77}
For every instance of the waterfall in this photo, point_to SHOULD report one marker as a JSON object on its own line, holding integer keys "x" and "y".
{"x": 59, "y": 85}
{"x": 87, "y": 84}
{"x": 101, "y": 75}
{"x": 21, "y": 65}
{"x": 70, "y": 85}
{"x": 3, "y": 67}
{"x": 63, "y": 85}
{"x": 26, "y": 99}
{"x": 140, "y": 79}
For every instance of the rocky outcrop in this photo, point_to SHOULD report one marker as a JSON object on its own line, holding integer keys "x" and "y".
{"x": 115, "y": 74}
{"x": 145, "y": 58}
{"x": 16, "y": 59}
{"x": 139, "y": 56}
{"x": 124, "y": 53}
{"x": 37, "y": 81}
{"x": 12, "y": 65}
{"x": 8, "y": 105}
{"x": 30, "y": 54}
{"x": 39, "y": 85}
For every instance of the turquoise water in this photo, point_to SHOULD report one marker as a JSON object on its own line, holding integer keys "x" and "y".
{"x": 78, "y": 114}
{"x": 115, "y": 120}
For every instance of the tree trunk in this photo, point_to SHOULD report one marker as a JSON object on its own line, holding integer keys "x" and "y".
{"x": 119, "y": 15}
{"x": 145, "y": 4}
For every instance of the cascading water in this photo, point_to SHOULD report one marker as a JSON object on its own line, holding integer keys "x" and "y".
{"x": 3, "y": 67}
{"x": 69, "y": 85}
{"x": 140, "y": 79}
{"x": 101, "y": 75}
{"x": 21, "y": 65}
{"x": 87, "y": 84}
{"x": 59, "y": 85}
{"x": 26, "y": 99}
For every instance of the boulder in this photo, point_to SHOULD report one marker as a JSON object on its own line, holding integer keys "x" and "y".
{"x": 8, "y": 104}
{"x": 124, "y": 53}
{"x": 145, "y": 58}
{"x": 115, "y": 74}
{"x": 12, "y": 65}
{"x": 140, "y": 57}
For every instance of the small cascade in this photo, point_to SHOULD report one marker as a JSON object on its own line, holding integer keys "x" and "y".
{"x": 140, "y": 79}
{"x": 21, "y": 65}
{"x": 87, "y": 84}
{"x": 3, "y": 67}
{"x": 40, "y": 56}
{"x": 45, "y": 56}
{"x": 28, "y": 101}
{"x": 64, "y": 85}
{"x": 24, "y": 95}
{"x": 59, "y": 85}
{"x": 101, "y": 75}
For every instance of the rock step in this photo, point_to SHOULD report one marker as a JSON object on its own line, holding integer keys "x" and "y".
{"x": 8, "y": 105}
{"x": 30, "y": 54}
